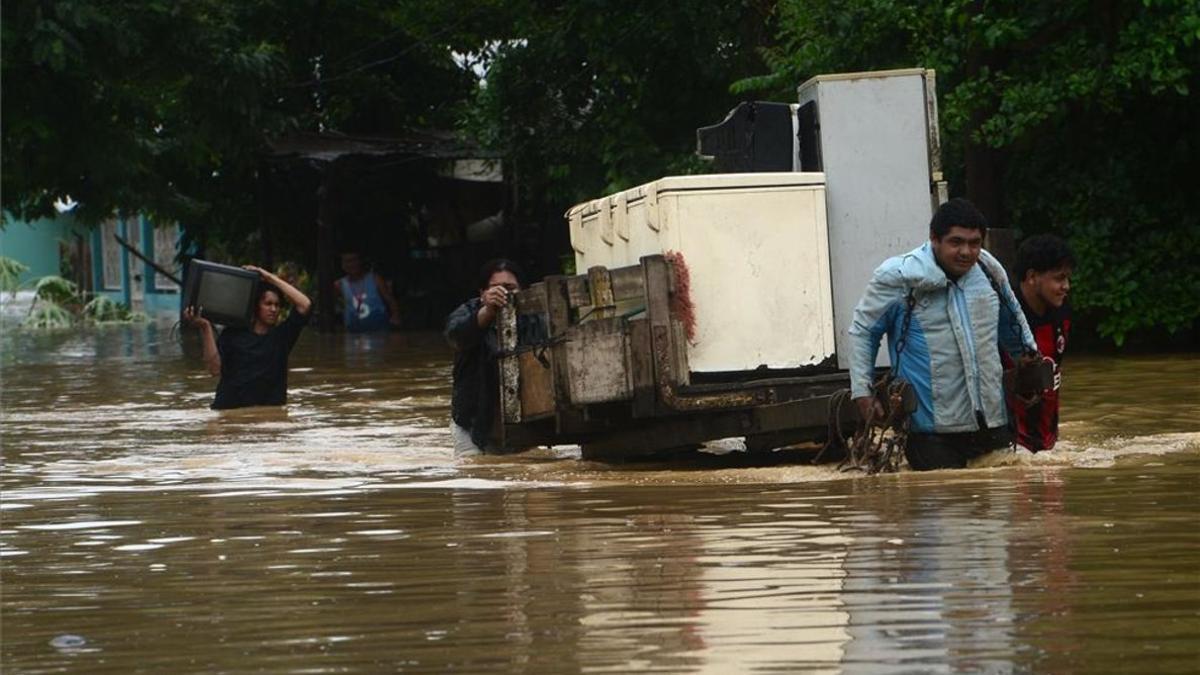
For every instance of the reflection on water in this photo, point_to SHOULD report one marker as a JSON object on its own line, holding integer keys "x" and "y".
{"x": 141, "y": 530}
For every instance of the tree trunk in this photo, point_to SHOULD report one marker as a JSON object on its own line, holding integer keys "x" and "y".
{"x": 983, "y": 165}
{"x": 327, "y": 196}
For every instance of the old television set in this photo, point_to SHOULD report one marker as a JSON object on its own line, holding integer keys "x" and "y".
{"x": 224, "y": 295}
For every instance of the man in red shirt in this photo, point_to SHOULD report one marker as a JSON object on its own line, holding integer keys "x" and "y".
{"x": 1043, "y": 271}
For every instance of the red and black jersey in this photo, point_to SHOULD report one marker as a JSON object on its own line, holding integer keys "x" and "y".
{"x": 1037, "y": 425}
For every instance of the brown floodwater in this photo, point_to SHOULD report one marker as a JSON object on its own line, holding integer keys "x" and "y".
{"x": 142, "y": 532}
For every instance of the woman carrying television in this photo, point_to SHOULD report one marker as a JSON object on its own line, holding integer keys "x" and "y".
{"x": 252, "y": 362}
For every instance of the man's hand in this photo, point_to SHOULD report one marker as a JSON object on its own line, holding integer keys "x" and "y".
{"x": 495, "y": 297}
{"x": 262, "y": 274}
{"x": 1028, "y": 359}
{"x": 299, "y": 300}
{"x": 869, "y": 408}
{"x": 191, "y": 316}
{"x": 212, "y": 358}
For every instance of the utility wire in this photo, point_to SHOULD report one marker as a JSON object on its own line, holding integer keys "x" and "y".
{"x": 528, "y": 141}
{"x": 419, "y": 42}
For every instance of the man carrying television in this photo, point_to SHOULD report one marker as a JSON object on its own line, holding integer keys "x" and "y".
{"x": 252, "y": 361}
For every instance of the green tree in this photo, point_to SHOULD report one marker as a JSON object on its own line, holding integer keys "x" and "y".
{"x": 592, "y": 96}
{"x": 1074, "y": 116}
{"x": 137, "y": 105}
{"x": 166, "y": 107}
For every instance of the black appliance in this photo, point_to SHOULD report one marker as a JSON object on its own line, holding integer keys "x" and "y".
{"x": 753, "y": 137}
{"x": 224, "y": 295}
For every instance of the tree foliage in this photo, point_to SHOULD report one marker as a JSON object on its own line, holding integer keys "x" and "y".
{"x": 166, "y": 107}
{"x": 1076, "y": 117}
{"x": 130, "y": 104}
{"x": 59, "y": 304}
{"x": 593, "y": 96}
{"x": 10, "y": 275}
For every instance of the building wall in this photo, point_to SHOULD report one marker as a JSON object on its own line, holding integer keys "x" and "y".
{"x": 114, "y": 272}
{"x": 36, "y": 243}
{"x": 121, "y": 276}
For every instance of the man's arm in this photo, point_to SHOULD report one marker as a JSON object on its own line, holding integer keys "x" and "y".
{"x": 462, "y": 328}
{"x": 1014, "y": 342}
{"x": 465, "y": 325}
{"x": 208, "y": 341}
{"x": 299, "y": 300}
{"x": 389, "y": 299}
{"x": 872, "y": 316}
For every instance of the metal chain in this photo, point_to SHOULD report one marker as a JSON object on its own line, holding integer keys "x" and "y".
{"x": 910, "y": 302}
{"x": 877, "y": 445}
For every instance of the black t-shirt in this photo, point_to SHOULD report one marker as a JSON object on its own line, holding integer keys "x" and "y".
{"x": 253, "y": 366}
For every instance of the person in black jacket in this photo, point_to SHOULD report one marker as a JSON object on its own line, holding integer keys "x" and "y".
{"x": 252, "y": 362}
{"x": 470, "y": 330}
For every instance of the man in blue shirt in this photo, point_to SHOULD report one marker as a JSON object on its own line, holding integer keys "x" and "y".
{"x": 367, "y": 300}
{"x": 949, "y": 304}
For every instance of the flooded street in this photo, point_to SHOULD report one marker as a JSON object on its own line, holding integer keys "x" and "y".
{"x": 143, "y": 532}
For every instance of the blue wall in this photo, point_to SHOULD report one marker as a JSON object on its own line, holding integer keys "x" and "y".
{"x": 154, "y": 300}
{"x": 35, "y": 244}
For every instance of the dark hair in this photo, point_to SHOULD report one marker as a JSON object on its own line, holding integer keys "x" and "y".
{"x": 497, "y": 265}
{"x": 357, "y": 252}
{"x": 1042, "y": 253}
{"x": 264, "y": 288}
{"x": 957, "y": 212}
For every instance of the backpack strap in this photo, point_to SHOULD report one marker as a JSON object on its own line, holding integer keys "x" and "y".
{"x": 1004, "y": 302}
{"x": 910, "y": 301}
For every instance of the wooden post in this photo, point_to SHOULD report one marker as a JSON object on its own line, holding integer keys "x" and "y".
{"x": 658, "y": 324}
{"x": 558, "y": 320}
{"x": 85, "y": 266}
{"x": 641, "y": 362}
{"x": 264, "y": 231}
{"x": 327, "y": 196}
{"x": 1001, "y": 242}
{"x": 510, "y": 366}
{"x": 601, "y": 289}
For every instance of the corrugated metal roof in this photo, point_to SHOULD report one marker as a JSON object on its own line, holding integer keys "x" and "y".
{"x": 330, "y": 146}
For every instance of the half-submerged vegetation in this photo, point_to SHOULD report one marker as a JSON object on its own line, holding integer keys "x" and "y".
{"x": 58, "y": 303}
